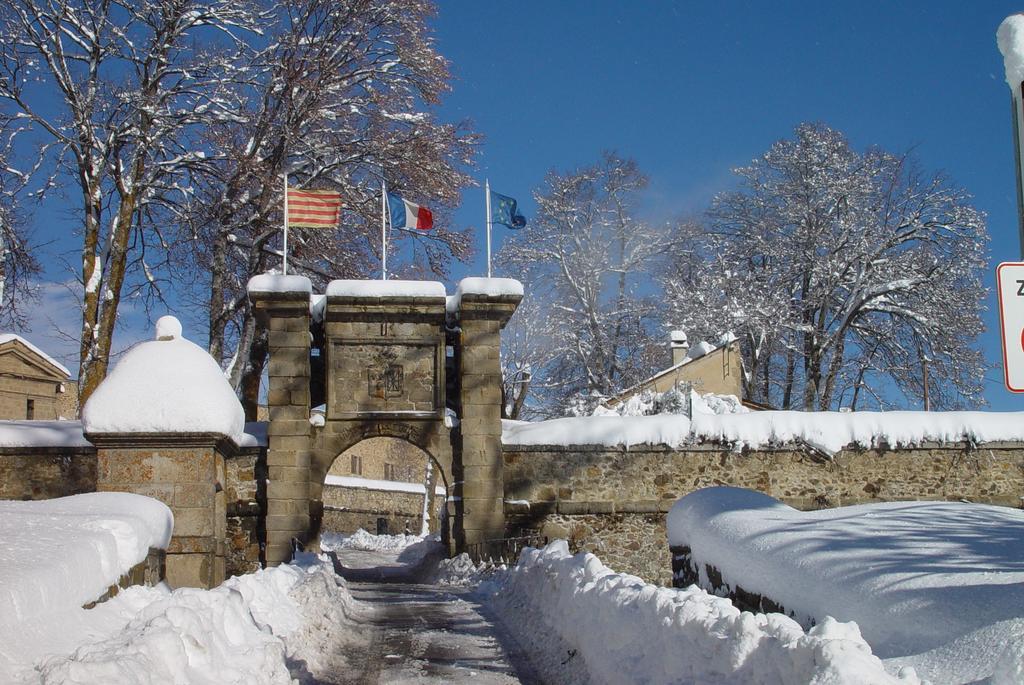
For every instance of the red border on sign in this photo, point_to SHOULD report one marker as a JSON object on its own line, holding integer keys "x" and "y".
{"x": 1002, "y": 326}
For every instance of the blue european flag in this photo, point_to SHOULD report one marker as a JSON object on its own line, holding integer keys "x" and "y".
{"x": 505, "y": 211}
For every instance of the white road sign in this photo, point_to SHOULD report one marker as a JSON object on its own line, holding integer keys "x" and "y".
{"x": 1010, "y": 287}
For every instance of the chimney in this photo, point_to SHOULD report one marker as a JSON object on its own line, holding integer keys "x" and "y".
{"x": 679, "y": 346}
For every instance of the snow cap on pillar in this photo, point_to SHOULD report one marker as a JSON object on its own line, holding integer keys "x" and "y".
{"x": 166, "y": 385}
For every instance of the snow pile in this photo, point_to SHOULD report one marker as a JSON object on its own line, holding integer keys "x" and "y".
{"x": 278, "y": 283}
{"x": 599, "y": 626}
{"x": 460, "y": 571}
{"x": 42, "y": 434}
{"x": 62, "y": 553}
{"x": 915, "y": 576}
{"x": 610, "y": 431}
{"x": 11, "y": 337}
{"x": 383, "y": 485}
{"x": 247, "y": 630}
{"x": 1010, "y": 38}
{"x": 828, "y": 432}
{"x": 165, "y": 385}
{"x": 369, "y": 542}
{"x": 832, "y": 431}
{"x": 674, "y": 401}
{"x": 488, "y": 287}
{"x": 411, "y": 289}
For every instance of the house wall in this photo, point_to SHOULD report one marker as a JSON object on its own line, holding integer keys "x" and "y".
{"x": 20, "y": 382}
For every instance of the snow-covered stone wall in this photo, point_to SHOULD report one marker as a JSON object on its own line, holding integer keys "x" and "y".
{"x": 612, "y": 501}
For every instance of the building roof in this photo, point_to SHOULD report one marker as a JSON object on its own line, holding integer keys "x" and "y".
{"x": 9, "y": 338}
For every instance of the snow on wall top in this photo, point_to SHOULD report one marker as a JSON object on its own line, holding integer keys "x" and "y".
{"x": 1010, "y": 39}
{"x": 62, "y": 553}
{"x": 383, "y": 485}
{"x": 829, "y": 432}
{"x": 278, "y": 283}
{"x": 491, "y": 287}
{"x": 366, "y": 288}
{"x": 165, "y": 385}
{"x": 913, "y": 575}
{"x": 42, "y": 434}
{"x": 11, "y": 337}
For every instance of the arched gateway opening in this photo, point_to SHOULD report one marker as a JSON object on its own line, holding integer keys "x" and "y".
{"x": 383, "y": 359}
{"x": 385, "y": 486}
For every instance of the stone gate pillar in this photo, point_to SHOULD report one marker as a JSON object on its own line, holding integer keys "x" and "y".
{"x": 483, "y": 306}
{"x": 282, "y": 308}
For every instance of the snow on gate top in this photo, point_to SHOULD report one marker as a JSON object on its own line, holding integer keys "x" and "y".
{"x": 828, "y": 432}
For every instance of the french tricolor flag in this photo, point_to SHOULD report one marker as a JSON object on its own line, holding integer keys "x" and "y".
{"x": 405, "y": 214}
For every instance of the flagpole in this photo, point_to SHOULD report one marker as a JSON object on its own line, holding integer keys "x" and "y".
{"x": 487, "y": 192}
{"x": 284, "y": 266}
{"x": 383, "y": 231}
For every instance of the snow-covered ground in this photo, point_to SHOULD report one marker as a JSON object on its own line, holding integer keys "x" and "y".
{"x": 250, "y": 629}
{"x": 934, "y": 585}
{"x": 584, "y": 623}
{"x": 829, "y": 432}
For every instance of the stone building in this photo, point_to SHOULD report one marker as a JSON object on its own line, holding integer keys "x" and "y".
{"x": 32, "y": 384}
{"x": 705, "y": 368}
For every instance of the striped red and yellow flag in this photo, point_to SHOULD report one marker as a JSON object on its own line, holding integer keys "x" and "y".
{"x": 313, "y": 208}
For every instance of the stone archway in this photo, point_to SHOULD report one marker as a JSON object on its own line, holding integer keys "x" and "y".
{"x": 383, "y": 480}
{"x": 395, "y": 359}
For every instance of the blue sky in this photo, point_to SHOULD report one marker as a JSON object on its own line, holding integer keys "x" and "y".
{"x": 691, "y": 91}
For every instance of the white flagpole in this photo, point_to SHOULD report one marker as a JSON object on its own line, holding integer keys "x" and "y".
{"x": 487, "y": 192}
{"x": 284, "y": 266}
{"x": 383, "y": 231}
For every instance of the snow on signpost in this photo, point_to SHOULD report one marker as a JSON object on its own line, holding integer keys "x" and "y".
{"x": 1010, "y": 287}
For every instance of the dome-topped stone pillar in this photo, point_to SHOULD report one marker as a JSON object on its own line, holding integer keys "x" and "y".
{"x": 163, "y": 421}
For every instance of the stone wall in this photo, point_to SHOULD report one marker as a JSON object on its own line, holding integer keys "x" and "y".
{"x": 46, "y": 472}
{"x": 616, "y": 499}
{"x": 348, "y": 509}
{"x": 245, "y": 490}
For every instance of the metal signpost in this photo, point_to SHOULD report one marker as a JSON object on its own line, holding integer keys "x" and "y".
{"x": 1010, "y": 288}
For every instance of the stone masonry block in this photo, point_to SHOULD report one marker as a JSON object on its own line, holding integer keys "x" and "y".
{"x": 279, "y": 339}
{"x": 293, "y": 523}
{"x": 477, "y": 392}
{"x": 289, "y": 323}
{"x": 288, "y": 412}
{"x": 488, "y": 472}
{"x": 298, "y": 459}
{"x": 480, "y": 427}
{"x": 291, "y": 474}
{"x": 287, "y": 427}
{"x": 194, "y": 494}
{"x": 287, "y": 507}
{"x": 193, "y": 521}
{"x": 481, "y": 452}
{"x": 290, "y": 368}
{"x": 482, "y": 489}
{"x": 288, "y": 490}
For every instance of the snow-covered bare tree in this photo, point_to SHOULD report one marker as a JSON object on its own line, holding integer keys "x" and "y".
{"x": 340, "y": 96}
{"x": 585, "y": 260}
{"x": 18, "y": 266}
{"x": 845, "y": 272}
{"x": 109, "y": 98}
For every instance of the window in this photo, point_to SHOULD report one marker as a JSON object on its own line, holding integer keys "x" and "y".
{"x": 389, "y": 472}
{"x": 357, "y": 465}
{"x": 30, "y": 409}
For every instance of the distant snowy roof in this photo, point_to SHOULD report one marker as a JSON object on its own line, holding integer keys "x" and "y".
{"x": 12, "y": 337}
{"x": 365, "y": 288}
{"x": 1010, "y": 38}
{"x": 384, "y": 485}
{"x": 491, "y": 287}
{"x": 165, "y": 385}
{"x": 276, "y": 283}
{"x": 42, "y": 434}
